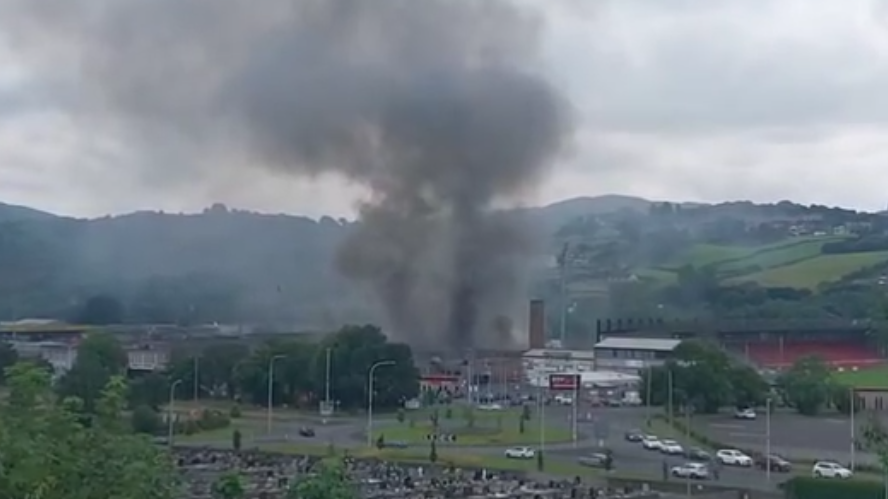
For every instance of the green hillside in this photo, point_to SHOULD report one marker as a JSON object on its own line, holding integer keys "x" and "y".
{"x": 794, "y": 262}
{"x": 811, "y": 272}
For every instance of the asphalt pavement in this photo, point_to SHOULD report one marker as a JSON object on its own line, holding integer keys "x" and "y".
{"x": 791, "y": 435}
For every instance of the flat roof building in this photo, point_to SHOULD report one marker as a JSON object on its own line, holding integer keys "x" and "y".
{"x": 633, "y": 354}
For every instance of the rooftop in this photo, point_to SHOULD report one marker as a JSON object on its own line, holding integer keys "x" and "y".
{"x": 650, "y": 344}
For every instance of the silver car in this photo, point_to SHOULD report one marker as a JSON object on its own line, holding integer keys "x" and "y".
{"x": 695, "y": 471}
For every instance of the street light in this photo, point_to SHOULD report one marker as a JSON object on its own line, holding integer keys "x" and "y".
{"x": 170, "y": 411}
{"x": 370, "y": 397}
{"x": 196, "y": 377}
{"x": 270, "y": 392}
{"x": 853, "y": 408}
{"x": 768, "y": 439}
{"x": 327, "y": 382}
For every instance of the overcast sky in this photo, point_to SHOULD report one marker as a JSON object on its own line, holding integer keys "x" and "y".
{"x": 679, "y": 99}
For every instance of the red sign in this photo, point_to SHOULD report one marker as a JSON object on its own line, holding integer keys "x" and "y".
{"x": 564, "y": 382}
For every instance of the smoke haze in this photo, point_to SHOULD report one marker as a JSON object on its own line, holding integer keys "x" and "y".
{"x": 436, "y": 106}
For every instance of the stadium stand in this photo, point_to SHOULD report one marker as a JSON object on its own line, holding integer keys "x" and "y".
{"x": 835, "y": 353}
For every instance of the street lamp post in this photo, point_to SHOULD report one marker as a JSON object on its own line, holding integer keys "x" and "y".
{"x": 196, "y": 395}
{"x": 327, "y": 379}
{"x": 270, "y": 409}
{"x": 688, "y": 439}
{"x": 170, "y": 411}
{"x": 852, "y": 409}
{"x": 768, "y": 439}
{"x": 370, "y": 397}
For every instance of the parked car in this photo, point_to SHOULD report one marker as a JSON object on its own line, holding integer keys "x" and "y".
{"x": 696, "y": 471}
{"x": 520, "y": 453}
{"x": 564, "y": 399}
{"x": 776, "y": 463}
{"x": 490, "y": 407}
{"x": 651, "y": 442}
{"x": 699, "y": 455}
{"x": 305, "y": 431}
{"x": 745, "y": 414}
{"x": 634, "y": 436}
{"x": 829, "y": 469}
{"x": 733, "y": 457}
{"x": 671, "y": 447}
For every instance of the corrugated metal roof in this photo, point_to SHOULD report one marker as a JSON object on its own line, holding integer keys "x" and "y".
{"x": 655, "y": 344}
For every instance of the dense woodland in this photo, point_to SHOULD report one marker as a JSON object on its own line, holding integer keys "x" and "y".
{"x": 231, "y": 266}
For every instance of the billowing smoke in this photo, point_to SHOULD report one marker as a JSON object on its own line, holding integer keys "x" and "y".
{"x": 436, "y": 106}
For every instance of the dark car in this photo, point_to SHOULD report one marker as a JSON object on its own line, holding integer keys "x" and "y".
{"x": 777, "y": 463}
{"x": 595, "y": 460}
{"x": 306, "y": 432}
{"x": 634, "y": 435}
{"x": 698, "y": 455}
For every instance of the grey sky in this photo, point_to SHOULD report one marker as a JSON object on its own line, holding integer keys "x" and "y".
{"x": 680, "y": 99}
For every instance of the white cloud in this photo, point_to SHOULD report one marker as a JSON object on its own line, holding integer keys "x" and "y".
{"x": 679, "y": 99}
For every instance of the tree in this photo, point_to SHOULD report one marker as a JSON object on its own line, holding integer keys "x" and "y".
{"x": 330, "y": 483}
{"x": 229, "y": 486}
{"x": 236, "y": 438}
{"x": 8, "y": 357}
{"x": 150, "y": 390}
{"x": 702, "y": 376}
{"x": 433, "y": 452}
{"x": 146, "y": 420}
{"x": 49, "y": 452}
{"x": 353, "y": 350}
{"x": 806, "y": 386}
{"x": 101, "y": 310}
{"x": 99, "y": 358}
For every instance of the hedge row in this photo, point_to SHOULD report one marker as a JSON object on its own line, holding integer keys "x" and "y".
{"x": 814, "y": 488}
{"x": 707, "y": 441}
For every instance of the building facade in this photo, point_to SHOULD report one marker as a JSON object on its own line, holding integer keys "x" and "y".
{"x": 632, "y": 355}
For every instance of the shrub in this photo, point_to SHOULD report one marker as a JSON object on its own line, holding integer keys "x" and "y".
{"x": 236, "y": 440}
{"x": 146, "y": 420}
{"x": 812, "y": 488}
{"x": 235, "y": 412}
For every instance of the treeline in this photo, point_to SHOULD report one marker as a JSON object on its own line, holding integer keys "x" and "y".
{"x": 863, "y": 244}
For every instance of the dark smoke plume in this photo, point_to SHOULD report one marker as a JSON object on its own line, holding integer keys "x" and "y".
{"x": 436, "y": 106}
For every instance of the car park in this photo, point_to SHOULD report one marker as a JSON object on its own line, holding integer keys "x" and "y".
{"x": 633, "y": 436}
{"x": 651, "y": 442}
{"x": 695, "y": 471}
{"x": 671, "y": 447}
{"x": 520, "y": 453}
{"x": 829, "y": 469}
{"x": 733, "y": 457}
{"x": 774, "y": 462}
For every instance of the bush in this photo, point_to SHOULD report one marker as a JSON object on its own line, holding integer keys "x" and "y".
{"x": 235, "y": 412}
{"x": 400, "y": 415}
{"x": 146, "y": 420}
{"x": 813, "y": 488}
{"x": 211, "y": 419}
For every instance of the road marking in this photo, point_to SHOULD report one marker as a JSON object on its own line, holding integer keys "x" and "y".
{"x": 727, "y": 426}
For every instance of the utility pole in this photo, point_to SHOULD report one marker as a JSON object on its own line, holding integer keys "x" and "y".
{"x": 563, "y": 264}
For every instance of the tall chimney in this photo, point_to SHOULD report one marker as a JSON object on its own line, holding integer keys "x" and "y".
{"x": 536, "y": 326}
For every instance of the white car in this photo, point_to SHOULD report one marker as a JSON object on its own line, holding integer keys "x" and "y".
{"x": 829, "y": 469}
{"x": 671, "y": 447}
{"x": 564, "y": 400}
{"x": 650, "y": 442}
{"x": 520, "y": 453}
{"x": 490, "y": 407}
{"x": 733, "y": 457}
{"x": 697, "y": 471}
{"x": 745, "y": 414}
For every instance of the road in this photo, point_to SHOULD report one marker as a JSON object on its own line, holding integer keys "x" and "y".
{"x": 602, "y": 426}
{"x": 792, "y": 436}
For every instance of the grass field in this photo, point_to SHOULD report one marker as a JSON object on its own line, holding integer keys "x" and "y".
{"x": 876, "y": 377}
{"x": 809, "y": 273}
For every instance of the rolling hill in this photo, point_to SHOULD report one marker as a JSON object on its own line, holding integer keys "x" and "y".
{"x": 793, "y": 262}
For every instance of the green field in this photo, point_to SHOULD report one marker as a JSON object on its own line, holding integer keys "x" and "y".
{"x": 794, "y": 262}
{"x": 809, "y": 273}
{"x": 876, "y": 377}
